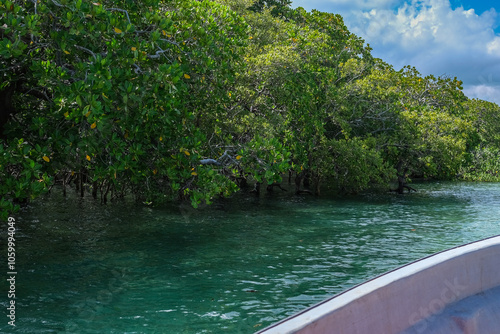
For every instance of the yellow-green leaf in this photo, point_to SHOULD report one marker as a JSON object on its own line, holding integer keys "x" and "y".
{"x": 118, "y": 31}
{"x": 46, "y": 158}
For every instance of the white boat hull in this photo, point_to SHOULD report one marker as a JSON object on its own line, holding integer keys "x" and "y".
{"x": 455, "y": 291}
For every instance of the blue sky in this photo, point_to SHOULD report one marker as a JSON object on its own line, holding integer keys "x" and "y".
{"x": 456, "y": 38}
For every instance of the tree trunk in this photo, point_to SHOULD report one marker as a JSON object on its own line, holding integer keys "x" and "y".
{"x": 256, "y": 188}
{"x": 402, "y": 185}
{"x": 82, "y": 190}
{"x": 317, "y": 186}
{"x": 94, "y": 189}
{"x": 6, "y": 107}
{"x": 298, "y": 180}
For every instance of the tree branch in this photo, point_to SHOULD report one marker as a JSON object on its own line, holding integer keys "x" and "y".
{"x": 86, "y": 50}
{"x": 120, "y": 10}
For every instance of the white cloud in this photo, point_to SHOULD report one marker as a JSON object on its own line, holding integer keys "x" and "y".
{"x": 429, "y": 35}
{"x": 484, "y": 92}
{"x": 494, "y": 46}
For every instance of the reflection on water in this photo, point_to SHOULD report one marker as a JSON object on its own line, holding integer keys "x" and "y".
{"x": 235, "y": 267}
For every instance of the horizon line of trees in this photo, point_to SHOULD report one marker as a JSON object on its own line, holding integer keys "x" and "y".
{"x": 195, "y": 99}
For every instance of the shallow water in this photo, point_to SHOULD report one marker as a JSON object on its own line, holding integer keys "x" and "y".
{"x": 235, "y": 267}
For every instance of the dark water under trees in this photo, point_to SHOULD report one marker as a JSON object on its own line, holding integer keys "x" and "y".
{"x": 235, "y": 267}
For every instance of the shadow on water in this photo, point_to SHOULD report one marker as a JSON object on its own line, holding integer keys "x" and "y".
{"x": 234, "y": 267}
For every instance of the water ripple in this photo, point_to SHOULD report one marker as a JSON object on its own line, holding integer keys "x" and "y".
{"x": 234, "y": 268}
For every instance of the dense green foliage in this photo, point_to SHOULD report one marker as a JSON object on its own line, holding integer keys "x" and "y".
{"x": 118, "y": 97}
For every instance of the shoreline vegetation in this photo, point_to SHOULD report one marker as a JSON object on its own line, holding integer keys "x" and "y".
{"x": 194, "y": 100}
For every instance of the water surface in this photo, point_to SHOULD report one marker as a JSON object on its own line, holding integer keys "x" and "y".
{"x": 235, "y": 267}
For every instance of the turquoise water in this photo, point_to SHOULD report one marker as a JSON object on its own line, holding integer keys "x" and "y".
{"x": 235, "y": 267}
